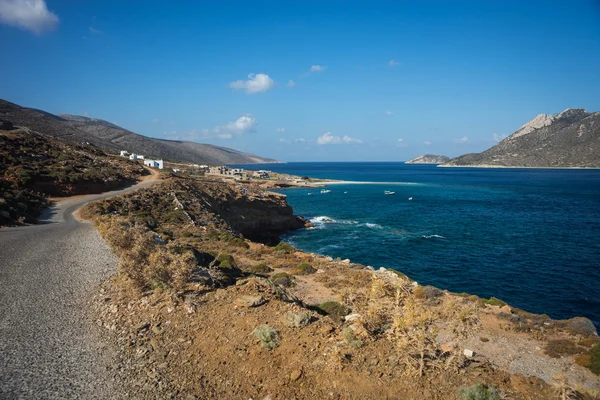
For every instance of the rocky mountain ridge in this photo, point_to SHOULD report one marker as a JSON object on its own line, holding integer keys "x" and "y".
{"x": 112, "y": 138}
{"x": 569, "y": 139}
{"x": 428, "y": 159}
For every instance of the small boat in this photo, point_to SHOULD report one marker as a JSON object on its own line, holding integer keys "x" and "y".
{"x": 345, "y": 192}
{"x": 389, "y": 193}
{"x": 325, "y": 191}
{"x": 310, "y": 193}
{"x": 410, "y": 198}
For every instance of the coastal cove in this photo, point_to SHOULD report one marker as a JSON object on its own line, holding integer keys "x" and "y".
{"x": 526, "y": 236}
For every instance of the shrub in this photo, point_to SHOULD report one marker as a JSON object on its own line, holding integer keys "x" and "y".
{"x": 268, "y": 336}
{"x": 303, "y": 269}
{"x": 261, "y": 268}
{"x": 186, "y": 234}
{"x": 560, "y": 347}
{"x": 351, "y": 339}
{"x": 284, "y": 248}
{"x": 479, "y": 392}
{"x": 226, "y": 261}
{"x": 594, "y": 354}
{"x": 495, "y": 302}
{"x": 334, "y": 310}
{"x": 282, "y": 279}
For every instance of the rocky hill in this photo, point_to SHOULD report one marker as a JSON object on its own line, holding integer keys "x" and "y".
{"x": 112, "y": 138}
{"x": 33, "y": 166}
{"x": 567, "y": 139}
{"x": 428, "y": 159}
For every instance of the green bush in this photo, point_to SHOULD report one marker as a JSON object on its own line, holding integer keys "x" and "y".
{"x": 282, "y": 279}
{"x": 595, "y": 359}
{"x": 285, "y": 248}
{"x": 303, "y": 269}
{"x": 268, "y": 336}
{"x": 495, "y": 302}
{"x": 261, "y": 268}
{"x": 226, "y": 261}
{"x": 560, "y": 347}
{"x": 479, "y": 392}
{"x": 351, "y": 339}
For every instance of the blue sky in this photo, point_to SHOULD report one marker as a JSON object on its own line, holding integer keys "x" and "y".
{"x": 371, "y": 80}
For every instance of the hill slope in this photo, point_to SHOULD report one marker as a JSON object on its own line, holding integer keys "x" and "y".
{"x": 112, "y": 138}
{"x": 428, "y": 159}
{"x": 567, "y": 139}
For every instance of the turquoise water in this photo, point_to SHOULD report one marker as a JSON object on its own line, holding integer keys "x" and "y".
{"x": 530, "y": 237}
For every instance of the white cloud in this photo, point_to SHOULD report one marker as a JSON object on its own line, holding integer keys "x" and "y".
{"x": 393, "y": 63}
{"x": 401, "y": 143}
{"x": 349, "y": 140}
{"x": 329, "y": 138}
{"x": 156, "y": 121}
{"x": 464, "y": 139}
{"x": 96, "y": 31}
{"x": 32, "y": 15}
{"x": 498, "y": 138}
{"x": 299, "y": 140}
{"x": 318, "y": 68}
{"x": 291, "y": 83}
{"x": 400, "y": 140}
{"x": 256, "y": 83}
{"x": 427, "y": 142}
{"x": 280, "y": 130}
{"x": 388, "y": 112}
{"x": 244, "y": 124}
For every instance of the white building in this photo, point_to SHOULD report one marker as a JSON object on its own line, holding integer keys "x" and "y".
{"x": 124, "y": 153}
{"x": 154, "y": 163}
{"x": 133, "y": 156}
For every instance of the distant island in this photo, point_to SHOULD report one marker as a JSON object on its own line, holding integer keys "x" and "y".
{"x": 570, "y": 139}
{"x": 113, "y": 139}
{"x": 428, "y": 159}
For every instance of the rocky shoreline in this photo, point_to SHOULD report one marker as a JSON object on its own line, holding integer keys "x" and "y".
{"x": 331, "y": 328}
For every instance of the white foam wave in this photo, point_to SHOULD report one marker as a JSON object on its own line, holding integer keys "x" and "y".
{"x": 373, "y": 226}
{"x": 323, "y": 219}
{"x": 433, "y": 237}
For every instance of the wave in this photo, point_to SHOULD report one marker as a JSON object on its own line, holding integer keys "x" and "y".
{"x": 323, "y": 219}
{"x": 432, "y": 237}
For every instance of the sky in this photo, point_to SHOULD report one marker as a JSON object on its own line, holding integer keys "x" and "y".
{"x": 306, "y": 80}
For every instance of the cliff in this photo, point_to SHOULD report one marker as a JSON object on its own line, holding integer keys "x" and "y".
{"x": 567, "y": 139}
{"x": 428, "y": 159}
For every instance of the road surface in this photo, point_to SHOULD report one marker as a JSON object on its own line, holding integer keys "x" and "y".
{"x": 48, "y": 272}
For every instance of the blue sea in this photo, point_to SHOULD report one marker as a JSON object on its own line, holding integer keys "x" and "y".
{"x": 530, "y": 237}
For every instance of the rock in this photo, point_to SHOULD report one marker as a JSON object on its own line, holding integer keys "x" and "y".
{"x": 346, "y": 261}
{"x": 427, "y": 292}
{"x": 580, "y": 326}
{"x": 448, "y": 347}
{"x": 295, "y": 375}
{"x": 351, "y": 317}
{"x": 142, "y": 326}
{"x": 4, "y": 214}
{"x": 468, "y": 353}
{"x": 506, "y": 309}
{"x": 295, "y": 319}
{"x": 249, "y": 301}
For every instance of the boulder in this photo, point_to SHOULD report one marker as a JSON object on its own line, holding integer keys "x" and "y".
{"x": 580, "y": 326}
{"x": 427, "y": 292}
{"x": 249, "y": 301}
{"x": 295, "y": 319}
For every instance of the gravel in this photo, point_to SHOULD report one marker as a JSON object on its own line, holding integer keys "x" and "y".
{"x": 49, "y": 348}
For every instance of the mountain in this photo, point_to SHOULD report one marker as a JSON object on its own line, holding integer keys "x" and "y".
{"x": 112, "y": 138}
{"x": 428, "y": 159}
{"x": 567, "y": 139}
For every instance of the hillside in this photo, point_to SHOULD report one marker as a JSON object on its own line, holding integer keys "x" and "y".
{"x": 33, "y": 167}
{"x": 567, "y": 139}
{"x": 112, "y": 138}
{"x": 428, "y": 159}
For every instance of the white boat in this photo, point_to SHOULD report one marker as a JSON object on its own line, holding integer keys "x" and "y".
{"x": 388, "y": 192}
{"x": 325, "y": 191}
{"x": 410, "y": 198}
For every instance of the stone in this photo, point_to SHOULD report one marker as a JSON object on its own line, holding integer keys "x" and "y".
{"x": 249, "y": 301}
{"x": 506, "y": 309}
{"x": 295, "y": 375}
{"x": 580, "y": 326}
{"x": 346, "y": 261}
{"x": 351, "y": 317}
{"x": 295, "y": 319}
{"x": 4, "y": 214}
{"x": 448, "y": 347}
{"x": 427, "y": 292}
{"x": 468, "y": 353}
{"x": 142, "y": 326}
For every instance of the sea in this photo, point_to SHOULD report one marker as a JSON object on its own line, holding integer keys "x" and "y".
{"x": 530, "y": 237}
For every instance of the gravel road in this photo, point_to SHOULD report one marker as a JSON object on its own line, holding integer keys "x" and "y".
{"x": 49, "y": 349}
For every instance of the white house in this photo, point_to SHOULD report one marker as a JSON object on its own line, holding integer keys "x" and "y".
{"x": 154, "y": 163}
{"x": 124, "y": 153}
{"x": 133, "y": 156}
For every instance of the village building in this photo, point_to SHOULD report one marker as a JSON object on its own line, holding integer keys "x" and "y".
{"x": 154, "y": 163}
{"x": 124, "y": 153}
